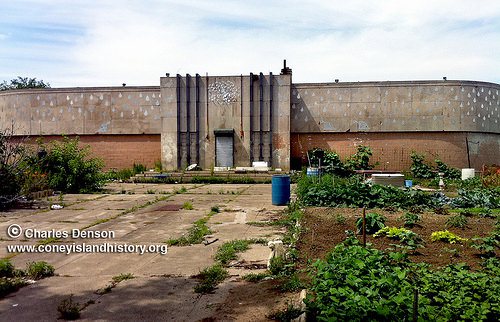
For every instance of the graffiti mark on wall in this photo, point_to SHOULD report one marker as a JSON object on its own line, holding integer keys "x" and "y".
{"x": 222, "y": 92}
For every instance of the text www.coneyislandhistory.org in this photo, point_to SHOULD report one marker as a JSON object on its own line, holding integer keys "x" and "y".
{"x": 88, "y": 248}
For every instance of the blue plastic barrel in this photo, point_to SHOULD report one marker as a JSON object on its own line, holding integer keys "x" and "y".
{"x": 408, "y": 183}
{"x": 280, "y": 189}
{"x": 312, "y": 172}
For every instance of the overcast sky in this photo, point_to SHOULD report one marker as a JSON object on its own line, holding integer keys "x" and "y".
{"x": 110, "y": 42}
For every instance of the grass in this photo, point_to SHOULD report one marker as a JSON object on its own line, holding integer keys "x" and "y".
{"x": 123, "y": 277}
{"x": 255, "y": 277}
{"x": 194, "y": 235}
{"x": 187, "y": 206}
{"x": 229, "y": 250}
{"x": 290, "y": 313}
{"x": 210, "y": 277}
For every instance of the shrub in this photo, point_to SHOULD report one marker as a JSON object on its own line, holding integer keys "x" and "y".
{"x": 374, "y": 222}
{"x": 69, "y": 167}
{"x": 447, "y": 237}
{"x": 39, "y": 270}
{"x": 360, "y": 160}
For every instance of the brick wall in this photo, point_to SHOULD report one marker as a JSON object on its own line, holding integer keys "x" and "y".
{"x": 392, "y": 150}
{"x": 121, "y": 151}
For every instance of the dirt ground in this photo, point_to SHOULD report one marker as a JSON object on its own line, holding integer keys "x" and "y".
{"x": 323, "y": 230}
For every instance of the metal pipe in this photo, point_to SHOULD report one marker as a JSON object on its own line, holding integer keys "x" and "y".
{"x": 188, "y": 119}
{"x": 261, "y": 117}
{"x": 271, "y": 119}
{"x": 198, "y": 119}
{"x": 251, "y": 118}
{"x": 179, "y": 143}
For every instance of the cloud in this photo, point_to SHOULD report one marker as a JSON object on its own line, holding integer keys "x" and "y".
{"x": 136, "y": 42}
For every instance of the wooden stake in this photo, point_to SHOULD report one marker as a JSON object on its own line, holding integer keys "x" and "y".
{"x": 364, "y": 227}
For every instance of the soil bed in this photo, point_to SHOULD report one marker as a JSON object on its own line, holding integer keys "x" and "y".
{"x": 323, "y": 229}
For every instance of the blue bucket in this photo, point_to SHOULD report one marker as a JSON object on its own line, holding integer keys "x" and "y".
{"x": 408, "y": 183}
{"x": 280, "y": 189}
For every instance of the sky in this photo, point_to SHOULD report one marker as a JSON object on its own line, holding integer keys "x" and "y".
{"x": 70, "y": 43}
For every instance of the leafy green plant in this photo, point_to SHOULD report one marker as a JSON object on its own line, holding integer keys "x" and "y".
{"x": 68, "y": 309}
{"x": 210, "y": 277}
{"x": 447, "y": 237}
{"x": 419, "y": 168}
{"x": 39, "y": 270}
{"x": 410, "y": 219}
{"x": 215, "y": 209}
{"x": 477, "y": 198}
{"x": 448, "y": 172}
{"x": 457, "y": 221}
{"x": 361, "y": 159}
{"x": 229, "y": 250}
{"x": 138, "y": 168}
{"x": 407, "y": 237}
{"x": 374, "y": 222}
{"x": 69, "y": 167}
{"x": 487, "y": 245}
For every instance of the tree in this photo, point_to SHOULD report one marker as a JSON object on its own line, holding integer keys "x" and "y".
{"x": 12, "y": 165}
{"x": 23, "y": 82}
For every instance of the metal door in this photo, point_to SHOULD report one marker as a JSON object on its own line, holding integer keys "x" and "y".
{"x": 224, "y": 151}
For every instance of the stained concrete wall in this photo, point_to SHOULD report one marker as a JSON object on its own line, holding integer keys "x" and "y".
{"x": 396, "y": 107}
{"x": 391, "y": 151}
{"x": 225, "y": 102}
{"x": 120, "y": 110}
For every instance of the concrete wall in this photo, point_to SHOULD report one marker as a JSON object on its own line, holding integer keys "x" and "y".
{"x": 392, "y": 150}
{"x": 121, "y": 110}
{"x": 225, "y": 102}
{"x": 396, "y": 107}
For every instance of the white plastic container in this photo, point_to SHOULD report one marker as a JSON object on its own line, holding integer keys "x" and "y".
{"x": 468, "y": 173}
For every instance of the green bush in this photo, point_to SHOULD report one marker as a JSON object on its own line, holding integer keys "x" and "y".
{"x": 374, "y": 222}
{"x": 69, "y": 167}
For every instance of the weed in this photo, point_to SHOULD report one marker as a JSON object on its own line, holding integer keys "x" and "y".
{"x": 187, "y": 206}
{"x": 9, "y": 285}
{"x": 39, "y": 270}
{"x": 210, "y": 277}
{"x": 229, "y": 250}
{"x": 68, "y": 309}
{"x": 6, "y": 268}
{"x": 151, "y": 192}
{"x": 254, "y": 278}
{"x": 194, "y": 235}
{"x": 215, "y": 209}
{"x": 457, "y": 221}
{"x": 123, "y": 277}
{"x": 340, "y": 219}
{"x": 290, "y": 283}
